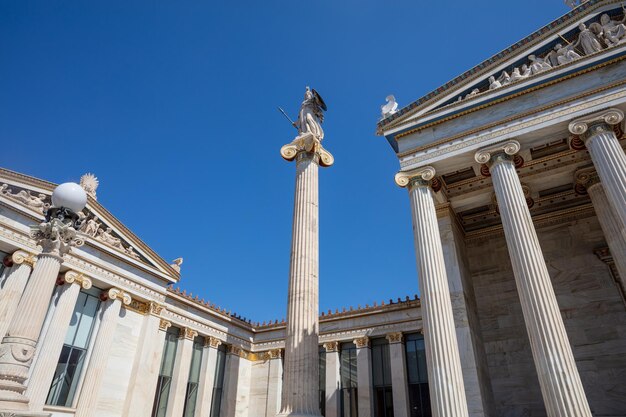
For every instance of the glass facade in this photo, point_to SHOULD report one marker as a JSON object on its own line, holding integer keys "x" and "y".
{"x": 72, "y": 359}
{"x": 218, "y": 385}
{"x": 322, "y": 386}
{"x": 194, "y": 378}
{"x": 381, "y": 375}
{"x": 419, "y": 398}
{"x": 347, "y": 357}
{"x": 165, "y": 375}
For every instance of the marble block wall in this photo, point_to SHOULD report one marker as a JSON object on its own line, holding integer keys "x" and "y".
{"x": 593, "y": 312}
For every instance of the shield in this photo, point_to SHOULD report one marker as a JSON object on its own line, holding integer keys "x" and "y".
{"x": 319, "y": 99}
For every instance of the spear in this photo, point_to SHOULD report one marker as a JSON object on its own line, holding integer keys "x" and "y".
{"x": 288, "y": 118}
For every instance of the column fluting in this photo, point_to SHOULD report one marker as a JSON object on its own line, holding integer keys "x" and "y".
{"x": 21, "y": 264}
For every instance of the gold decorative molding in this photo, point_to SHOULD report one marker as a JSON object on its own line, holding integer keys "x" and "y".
{"x": 362, "y": 342}
{"x": 265, "y": 356}
{"x": 155, "y": 309}
{"x": 211, "y": 341}
{"x": 71, "y": 277}
{"x": 116, "y": 294}
{"x": 235, "y": 350}
{"x": 275, "y": 353}
{"x": 164, "y": 324}
{"x": 331, "y": 346}
{"x": 138, "y": 306}
{"x": 396, "y": 337}
{"x": 20, "y": 257}
{"x": 188, "y": 333}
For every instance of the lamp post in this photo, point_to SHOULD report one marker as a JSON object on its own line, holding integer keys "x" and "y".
{"x": 57, "y": 235}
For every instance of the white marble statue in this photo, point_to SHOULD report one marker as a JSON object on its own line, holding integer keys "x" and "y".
{"x": 176, "y": 263}
{"x": 390, "y": 107}
{"x": 588, "y": 40}
{"x": 613, "y": 32}
{"x": 91, "y": 226}
{"x": 107, "y": 237}
{"x": 89, "y": 183}
{"x": 516, "y": 75}
{"x": 311, "y": 114}
{"x": 472, "y": 93}
{"x": 538, "y": 65}
{"x": 565, "y": 54}
{"x": 493, "y": 83}
{"x": 25, "y": 198}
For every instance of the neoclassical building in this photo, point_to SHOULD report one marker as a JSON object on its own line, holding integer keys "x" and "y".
{"x": 516, "y": 177}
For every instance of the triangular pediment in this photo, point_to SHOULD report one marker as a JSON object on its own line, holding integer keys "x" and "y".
{"x": 534, "y": 60}
{"x": 32, "y": 197}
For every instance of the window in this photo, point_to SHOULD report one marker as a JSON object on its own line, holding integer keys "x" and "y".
{"x": 419, "y": 398}
{"x": 381, "y": 373}
{"x": 218, "y": 386}
{"x": 347, "y": 358}
{"x": 194, "y": 377}
{"x": 165, "y": 375}
{"x": 72, "y": 358}
{"x": 322, "y": 387}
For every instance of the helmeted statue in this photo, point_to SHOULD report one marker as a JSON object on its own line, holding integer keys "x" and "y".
{"x": 311, "y": 114}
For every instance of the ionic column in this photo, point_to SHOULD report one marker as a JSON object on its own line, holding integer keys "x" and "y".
{"x": 300, "y": 394}
{"x": 180, "y": 375}
{"x": 561, "y": 388}
{"x": 90, "y": 389}
{"x": 614, "y": 230}
{"x": 56, "y": 237}
{"x": 333, "y": 379}
{"x": 399, "y": 384}
{"x": 43, "y": 370}
{"x": 21, "y": 264}
{"x": 365, "y": 385}
{"x": 445, "y": 379}
{"x": 145, "y": 375}
{"x": 607, "y": 155}
{"x": 207, "y": 376}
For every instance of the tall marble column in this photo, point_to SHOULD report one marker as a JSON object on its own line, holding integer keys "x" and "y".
{"x": 333, "y": 379}
{"x": 614, "y": 230}
{"x": 399, "y": 385}
{"x": 56, "y": 237}
{"x": 43, "y": 370}
{"x": 207, "y": 376}
{"x": 607, "y": 154}
{"x": 445, "y": 379}
{"x": 90, "y": 388}
{"x": 145, "y": 375}
{"x": 180, "y": 375}
{"x": 300, "y": 394}
{"x": 21, "y": 264}
{"x": 365, "y": 383}
{"x": 560, "y": 383}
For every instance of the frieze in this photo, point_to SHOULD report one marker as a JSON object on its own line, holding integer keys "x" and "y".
{"x": 38, "y": 203}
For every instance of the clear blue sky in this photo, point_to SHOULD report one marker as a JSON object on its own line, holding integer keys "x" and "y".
{"x": 172, "y": 104}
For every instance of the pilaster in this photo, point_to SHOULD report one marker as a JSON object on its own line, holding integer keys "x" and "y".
{"x": 399, "y": 385}
{"x": 207, "y": 376}
{"x": 333, "y": 379}
{"x": 365, "y": 391}
{"x": 275, "y": 382}
{"x": 180, "y": 376}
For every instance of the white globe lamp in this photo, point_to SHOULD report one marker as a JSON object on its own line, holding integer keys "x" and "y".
{"x": 69, "y": 195}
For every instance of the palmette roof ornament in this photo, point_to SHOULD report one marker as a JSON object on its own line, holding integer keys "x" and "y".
{"x": 90, "y": 183}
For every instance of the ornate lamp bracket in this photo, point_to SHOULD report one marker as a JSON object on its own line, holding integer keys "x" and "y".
{"x": 423, "y": 176}
{"x": 586, "y": 127}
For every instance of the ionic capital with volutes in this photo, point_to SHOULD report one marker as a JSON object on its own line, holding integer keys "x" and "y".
{"x": 73, "y": 277}
{"x": 20, "y": 257}
{"x": 309, "y": 145}
{"x": 362, "y": 342}
{"x": 596, "y": 123}
{"x": 395, "y": 337}
{"x": 500, "y": 152}
{"x": 419, "y": 177}
{"x": 585, "y": 178}
{"x": 116, "y": 294}
{"x": 331, "y": 346}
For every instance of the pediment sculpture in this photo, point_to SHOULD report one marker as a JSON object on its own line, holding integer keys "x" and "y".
{"x": 38, "y": 203}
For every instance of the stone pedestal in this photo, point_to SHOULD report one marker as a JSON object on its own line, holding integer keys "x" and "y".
{"x": 45, "y": 366}
{"x": 207, "y": 376}
{"x": 21, "y": 264}
{"x": 90, "y": 389}
{"x": 180, "y": 376}
{"x": 445, "y": 379}
{"x": 399, "y": 386}
{"x": 607, "y": 155}
{"x": 300, "y": 396}
{"x": 560, "y": 383}
{"x": 333, "y": 379}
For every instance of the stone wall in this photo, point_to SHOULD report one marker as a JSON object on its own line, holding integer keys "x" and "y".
{"x": 593, "y": 312}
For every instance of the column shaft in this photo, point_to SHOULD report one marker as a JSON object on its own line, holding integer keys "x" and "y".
{"x": 445, "y": 378}
{"x": 365, "y": 385}
{"x": 333, "y": 378}
{"x": 274, "y": 388}
{"x": 301, "y": 376}
{"x": 399, "y": 384}
{"x": 90, "y": 390}
{"x": 207, "y": 378}
{"x": 558, "y": 376}
{"x": 180, "y": 376}
{"x": 15, "y": 282}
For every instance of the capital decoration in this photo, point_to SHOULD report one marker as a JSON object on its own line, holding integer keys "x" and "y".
{"x": 164, "y": 324}
{"x": 331, "y": 346}
{"x": 116, "y": 294}
{"x": 586, "y": 126}
{"x": 56, "y": 237}
{"x": 396, "y": 337}
{"x": 20, "y": 257}
{"x": 584, "y": 179}
{"x": 423, "y": 175}
{"x": 236, "y": 350}
{"x": 307, "y": 142}
{"x": 155, "y": 309}
{"x": 275, "y": 353}
{"x": 213, "y": 342}
{"x": 189, "y": 333}
{"x": 71, "y": 277}
{"x": 362, "y": 342}
{"x": 511, "y": 147}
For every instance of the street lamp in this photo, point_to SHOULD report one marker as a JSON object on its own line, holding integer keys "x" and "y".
{"x": 68, "y": 199}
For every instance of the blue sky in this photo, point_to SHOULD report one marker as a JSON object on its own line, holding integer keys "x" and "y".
{"x": 172, "y": 104}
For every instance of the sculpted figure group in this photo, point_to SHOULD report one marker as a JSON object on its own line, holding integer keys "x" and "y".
{"x": 25, "y": 198}
{"x": 606, "y": 33}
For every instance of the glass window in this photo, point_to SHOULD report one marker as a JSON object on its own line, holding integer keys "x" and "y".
{"x": 74, "y": 351}
{"x": 194, "y": 378}
{"x": 347, "y": 357}
{"x": 165, "y": 374}
{"x": 419, "y": 398}
{"x": 381, "y": 374}
{"x": 218, "y": 386}
{"x": 322, "y": 386}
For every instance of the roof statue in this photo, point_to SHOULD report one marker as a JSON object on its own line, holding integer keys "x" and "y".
{"x": 574, "y": 3}
{"x": 90, "y": 183}
{"x": 176, "y": 263}
{"x": 311, "y": 114}
{"x": 390, "y": 107}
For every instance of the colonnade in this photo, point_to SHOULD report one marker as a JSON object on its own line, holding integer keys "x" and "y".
{"x": 559, "y": 379}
